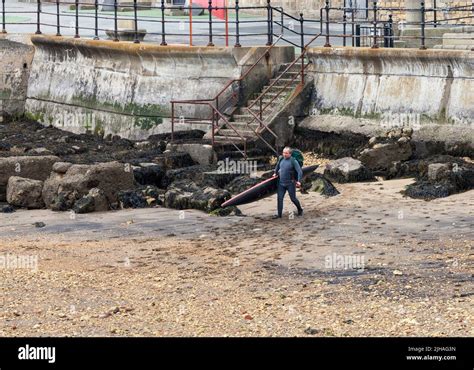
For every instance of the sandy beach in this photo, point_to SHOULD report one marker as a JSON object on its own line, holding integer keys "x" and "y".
{"x": 407, "y": 269}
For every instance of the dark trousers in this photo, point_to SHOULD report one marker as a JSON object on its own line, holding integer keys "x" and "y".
{"x": 282, "y": 189}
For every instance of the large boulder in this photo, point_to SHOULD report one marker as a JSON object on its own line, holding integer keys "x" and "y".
{"x": 200, "y": 153}
{"x": 30, "y": 167}
{"x": 94, "y": 201}
{"x": 149, "y": 174}
{"x": 382, "y": 155}
{"x": 316, "y": 182}
{"x": 187, "y": 194}
{"x": 347, "y": 170}
{"x": 78, "y": 180}
{"x": 441, "y": 179}
{"x": 25, "y": 193}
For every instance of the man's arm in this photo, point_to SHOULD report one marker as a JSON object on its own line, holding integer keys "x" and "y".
{"x": 277, "y": 167}
{"x": 298, "y": 169}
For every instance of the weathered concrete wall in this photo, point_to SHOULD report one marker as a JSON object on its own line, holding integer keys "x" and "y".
{"x": 431, "y": 91}
{"x": 15, "y": 62}
{"x": 126, "y": 89}
{"x": 438, "y": 84}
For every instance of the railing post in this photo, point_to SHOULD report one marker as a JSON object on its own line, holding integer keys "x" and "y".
{"x": 390, "y": 22}
{"x": 163, "y": 29}
{"x": 422, "y": 9}
{"x": 135, "y": 22}
{"x": 172, "y": 121}
{"x": 115, "y": 21}
{"x": 269, "y": 24}
{"x": 4, "y": 30}
{"x": 237, "y": 26}
{"x": 58, "y": 22}
{"x": 375, "y": 45}
{"x": 260, "y": 111}
{"x": 38, "y": 18}
{"x": 96, "y": 20}
{"x": 352, "y": 25}
{"x": 209, "y": 8}
{"x": 302, "y": 47}
{"x": 344, "y": 20}
{"x": 328, "y": 45}
{"x": 76, "y": 36}
{"x": 435, "y": 14}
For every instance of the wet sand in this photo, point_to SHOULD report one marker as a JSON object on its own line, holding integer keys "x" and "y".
{"x": 162, "y": 272}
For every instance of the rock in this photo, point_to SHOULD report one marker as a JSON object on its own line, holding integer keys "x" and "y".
{"x": 382, "y": 155}
{"x": 94, "y": 201}
{"x": 187, "y": 194}
{"x": 318, "y": 183}
{"x": 26, "y": 193}
{"x": 7, "y": 209}
{"x": 347, "y": 170}
{"x": 39, "y": 224}
{"x": 84, "y": 205}
{"x": 439, "y": 171}
{"x": 173, "y": 160}
{"x": 63, "y": 201}
{"x": 149, "y": 174}
{"x": 227, "y": 211}
{"x": 61, "y": 167}
{"x": 30, "y": 167}
{"x": 241, "y": 183}
{"x": 132, "y": 199}
{"x": 63, "y": 190}
{"x": 203, "y": 154}
{"x": 441, "y": 179}
{"x": 40, "y": 151}
{"x": 193, "y": 173}
{"x": 311, "y": 331}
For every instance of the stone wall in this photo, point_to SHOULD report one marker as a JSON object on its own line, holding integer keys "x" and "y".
{"x": 126, "y": 88}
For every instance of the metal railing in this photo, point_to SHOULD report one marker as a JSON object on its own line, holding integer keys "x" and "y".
{"x": 227, "y": 26}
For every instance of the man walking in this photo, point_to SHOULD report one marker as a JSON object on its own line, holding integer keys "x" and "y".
{"x": 289, "y": 175}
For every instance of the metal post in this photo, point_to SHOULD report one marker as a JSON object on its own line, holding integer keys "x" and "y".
{"x": 77, "y": 20}
{"x": 58, "y": 23}
{"x": 96, "y": 20}
{"x": 352, "y": 25}
{"x": 390, "y": 22}
{"x": 38, "y": 18}
{"x": 115, "y": 21}
{"x": 209, "y": 8}
{"x": 302, "y": 48}
{"x": 135, "y": 22}
{"x": 422, "y": 8}
{"x": 435, "y": 14}
{"x": 328, "y": 45}
{"x": 375, "y": 45}
{"x": 4, "y": 30}
{"x": 237, "y": 35}
{"x": 269, "y": 24}
{"x": 172, "y": 121}
{"x": 163, "y": 30}
{"x": 344, "y": 20}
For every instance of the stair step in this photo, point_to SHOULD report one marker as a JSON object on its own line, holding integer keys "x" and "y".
{"x": 243, "y": 126}
{"x": 229, "y": 132}
{"x": 228, "y": 139}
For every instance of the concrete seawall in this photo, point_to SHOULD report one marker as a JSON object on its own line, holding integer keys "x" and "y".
{"x": 15, "y": 63}
{"x": 126, "y": 89}
{"x": 362, "y": 90}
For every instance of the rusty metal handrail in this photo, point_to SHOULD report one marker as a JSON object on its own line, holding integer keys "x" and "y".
{"x": 260, "y": 97}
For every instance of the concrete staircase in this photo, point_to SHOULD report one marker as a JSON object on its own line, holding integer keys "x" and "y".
{"x": 243, "y": 130}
